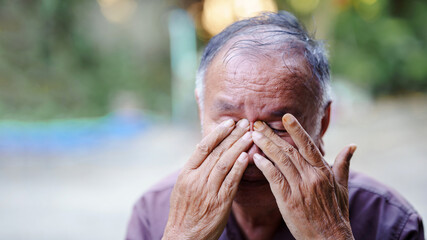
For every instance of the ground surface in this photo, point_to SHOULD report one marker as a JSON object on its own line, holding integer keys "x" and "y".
{"x": 89, "y": 194}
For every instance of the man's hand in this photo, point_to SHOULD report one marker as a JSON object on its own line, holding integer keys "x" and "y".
{"x": 312, "y": 197}
{"x": 201, "y": 199}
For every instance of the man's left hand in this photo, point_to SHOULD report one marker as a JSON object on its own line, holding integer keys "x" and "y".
{"x": 312, "y": 197}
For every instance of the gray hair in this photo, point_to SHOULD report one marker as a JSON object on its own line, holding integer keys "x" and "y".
{"x": 280, "y": 28}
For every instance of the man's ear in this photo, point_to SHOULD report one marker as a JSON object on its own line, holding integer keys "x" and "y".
{"x": 325, "y": 119}
{"x": 196, "y": 94}
{"x": 324, "y": 126}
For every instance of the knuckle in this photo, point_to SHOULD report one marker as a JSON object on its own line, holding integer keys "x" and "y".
{"x": 319, "y": 180}
{"x": 312, "y": 148}
{"x": 203, "y": 148}
{"x": 277, "y": 178}
{"x": 227, "y": 143}
{"x": 286, "y": 162}
{"x": 221, "y": 167}
{"x": 233, "y": 138}
{"x": 298, "y": 130}
{"x": 216, "y": 153}
{"x": 271, "y": 147}
{"x": 237, "y": 133}
{"x": 290, "y": 150}
{"x": 280, "y": 155}
{"x": 313, "y": 180}
{"x": 228, "y": 186}
{"x": 294, "y": 204}
{"x": 268, "y": 132}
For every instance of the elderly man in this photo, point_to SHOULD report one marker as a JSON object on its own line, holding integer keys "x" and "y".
{"x": 259, "y": 172}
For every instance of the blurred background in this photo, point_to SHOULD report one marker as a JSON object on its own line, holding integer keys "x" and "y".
{"x": 97, "y": 104}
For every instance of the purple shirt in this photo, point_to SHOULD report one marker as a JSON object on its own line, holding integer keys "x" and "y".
{"x": 376, "y": 212}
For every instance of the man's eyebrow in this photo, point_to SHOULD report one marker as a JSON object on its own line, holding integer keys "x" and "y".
{"x": 223, "y": 106}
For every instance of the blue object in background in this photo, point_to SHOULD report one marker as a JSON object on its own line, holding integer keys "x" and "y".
{"x": 66, "y": 135}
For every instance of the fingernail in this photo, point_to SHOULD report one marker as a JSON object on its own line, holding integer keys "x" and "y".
{"x": 258, "y": 125}
{"x": 243, "y": 157}
{"x": 228, "y": 123}
{"x": 288, "y": 119}
{"x": 258, "y": 160}
{"x": 257, "y": 157}
{"x": 244, "y": 123}
{"x": 247, "y": 136}
{"x": 256, "y": 135}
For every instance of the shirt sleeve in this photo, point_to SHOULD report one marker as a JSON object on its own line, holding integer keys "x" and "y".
{"x": 413, "y": 228}
{"x": 138, "y": 227}
{"x": 150, "y": 212}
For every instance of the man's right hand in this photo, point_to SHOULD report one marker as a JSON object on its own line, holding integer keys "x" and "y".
{"x": 201, "y": 199}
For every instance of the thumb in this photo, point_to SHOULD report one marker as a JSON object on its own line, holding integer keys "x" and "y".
{"x": 341, "y": 165}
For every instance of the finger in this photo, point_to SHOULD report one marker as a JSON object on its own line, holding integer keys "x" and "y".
{"x": 241, "y": 128}
{"x": 208, "y": 143}
{"x": 268, "y": 132}
{"x": 278, "y": 182}
{"x": 231, "y": 183}
{"x": 341, "y": 167}
{"x": 287, "y": 148}
{"x": 224, "y": 164}
{"x": 283, "y": 162}
{"x": 303, "y": 141}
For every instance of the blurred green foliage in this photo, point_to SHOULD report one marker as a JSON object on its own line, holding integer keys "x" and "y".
{"x": 57, "y": 60}
{"x": 381, "y": 45}
{"x": 51, "y": 67}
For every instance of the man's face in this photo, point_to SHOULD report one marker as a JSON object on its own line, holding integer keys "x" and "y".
{"x": 260, "y": 88}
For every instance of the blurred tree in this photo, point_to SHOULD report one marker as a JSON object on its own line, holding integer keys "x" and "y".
{"x": 56, "y": 63}
{"x": 381, "y": 45}
{"x": 61, "y": 59}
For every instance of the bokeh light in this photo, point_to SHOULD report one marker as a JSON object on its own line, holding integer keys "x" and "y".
{"x": 118, "y": 11}
{"x": 218, "y": 14}
{"x": 368, "y": 9}
{"x": 304, "y": 6}
{"x": 369, "y": 2}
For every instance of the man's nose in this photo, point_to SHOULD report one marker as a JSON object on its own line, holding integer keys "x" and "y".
{"x": 254, "y": 148}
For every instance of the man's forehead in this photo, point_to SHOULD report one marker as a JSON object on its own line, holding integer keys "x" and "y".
{"x": 262, "y": 67}
{"x": 263, "y": 47}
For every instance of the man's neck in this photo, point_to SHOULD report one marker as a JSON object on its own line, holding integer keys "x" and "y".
{"x": 257, "y": 222}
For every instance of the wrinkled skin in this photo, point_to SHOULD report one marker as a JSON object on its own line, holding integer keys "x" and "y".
{"x": 307, "y": 192}
{"x": 289, "y": 179}
{"x": 202, "y": 197}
